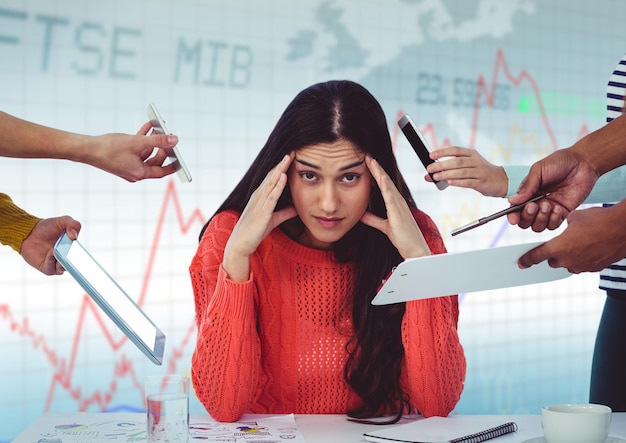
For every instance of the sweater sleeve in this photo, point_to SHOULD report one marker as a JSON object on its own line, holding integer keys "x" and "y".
{"x": 15, "y": 223}
{"x": 434, "y": 358}
{"x": 226, "y": 362}
{"x": 515, "y": 174}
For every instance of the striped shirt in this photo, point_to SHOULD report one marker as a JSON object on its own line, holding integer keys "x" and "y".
{"x": 614, "y": 277}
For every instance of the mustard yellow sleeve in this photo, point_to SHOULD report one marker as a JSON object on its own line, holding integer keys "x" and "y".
{"x": 15, "y": 223}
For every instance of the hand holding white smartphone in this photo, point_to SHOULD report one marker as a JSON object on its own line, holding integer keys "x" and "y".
{"x": 173, "y": 154}
{"x": 420, "y": 146}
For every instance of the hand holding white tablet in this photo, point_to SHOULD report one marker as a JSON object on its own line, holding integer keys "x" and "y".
{"x": 480, "y": 270}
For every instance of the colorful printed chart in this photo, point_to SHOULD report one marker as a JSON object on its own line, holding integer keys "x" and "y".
{"x": 131, "y": 427}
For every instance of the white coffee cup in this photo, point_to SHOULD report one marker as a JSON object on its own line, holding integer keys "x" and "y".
{"x": 576, "y": 423}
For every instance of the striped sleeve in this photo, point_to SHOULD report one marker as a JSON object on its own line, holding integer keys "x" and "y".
{"x": 614, "y": 277}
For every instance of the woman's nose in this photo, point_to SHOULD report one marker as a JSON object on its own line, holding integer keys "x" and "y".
{"x": 329, "y": 199}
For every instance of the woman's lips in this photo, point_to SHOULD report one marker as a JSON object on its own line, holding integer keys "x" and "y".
{"x": 328, "y": 222}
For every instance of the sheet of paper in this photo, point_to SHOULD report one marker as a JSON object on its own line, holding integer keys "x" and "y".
{"x": 83, "y": 427}
{"x": 248, "y": 428}
{"x": 460, "y": 272}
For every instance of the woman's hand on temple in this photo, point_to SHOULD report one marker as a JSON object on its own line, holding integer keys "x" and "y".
{"x": 400, "y": 225}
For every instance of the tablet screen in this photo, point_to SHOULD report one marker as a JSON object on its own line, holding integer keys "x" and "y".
{"x": 110, "y": 297}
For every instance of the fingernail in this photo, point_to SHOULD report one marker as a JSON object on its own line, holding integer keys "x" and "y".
{"x": 172, "y": 139}
{"x": 531, "y": 209}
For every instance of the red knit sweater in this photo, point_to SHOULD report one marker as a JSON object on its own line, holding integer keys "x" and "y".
{"x": 276, "y": 343}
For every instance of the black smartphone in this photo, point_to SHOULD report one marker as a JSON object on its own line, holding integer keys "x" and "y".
{"x": 420, "y": 146}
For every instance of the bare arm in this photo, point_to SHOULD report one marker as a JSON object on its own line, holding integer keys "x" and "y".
{"x": 604, "y": 149}
{"x": 466, "y": 168}
{"x": 569, "y": 174}
{"x": 593, "y": 239}
{"x": 131, "y": 157}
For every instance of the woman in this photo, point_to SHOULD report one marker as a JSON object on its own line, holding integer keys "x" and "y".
{"x": 288, "y": 265}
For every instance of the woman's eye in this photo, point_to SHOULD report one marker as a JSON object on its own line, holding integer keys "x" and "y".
{"x": 350, "y": 178}
{"x": 308, "y": 176}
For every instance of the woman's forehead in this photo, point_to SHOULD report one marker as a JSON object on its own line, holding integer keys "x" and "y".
{"x": 336, "y": 153}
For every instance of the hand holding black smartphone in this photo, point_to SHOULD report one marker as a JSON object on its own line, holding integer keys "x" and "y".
{"x": 420, "y": 146}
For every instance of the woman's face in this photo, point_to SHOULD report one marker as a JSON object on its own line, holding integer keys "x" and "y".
{"x": 330, "y": 188}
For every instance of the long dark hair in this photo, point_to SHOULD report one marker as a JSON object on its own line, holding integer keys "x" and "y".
{"x": 325, "y": 113}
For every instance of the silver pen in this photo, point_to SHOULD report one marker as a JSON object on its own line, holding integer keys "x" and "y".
{"x": 487, "y": 219}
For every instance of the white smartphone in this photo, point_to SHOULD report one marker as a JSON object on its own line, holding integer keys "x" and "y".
{"x": 158, "y": 124}
{"x": 111, "y": 298}
{"x": 420, "y": 146}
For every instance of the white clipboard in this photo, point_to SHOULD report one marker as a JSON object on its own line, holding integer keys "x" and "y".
{"x": 460, "y": 272}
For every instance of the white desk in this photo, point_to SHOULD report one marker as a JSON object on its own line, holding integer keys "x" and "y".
{"x": 336, "y": 429}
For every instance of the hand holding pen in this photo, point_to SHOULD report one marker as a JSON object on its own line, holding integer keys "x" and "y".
{"x": 487, "y": 219}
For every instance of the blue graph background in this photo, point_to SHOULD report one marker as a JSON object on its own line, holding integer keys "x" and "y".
{"x": 221, "y": 73}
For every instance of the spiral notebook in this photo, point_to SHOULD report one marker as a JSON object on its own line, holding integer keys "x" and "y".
{"x": 452, "y": 429}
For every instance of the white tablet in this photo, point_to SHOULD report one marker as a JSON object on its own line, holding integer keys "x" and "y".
{"x": 459, "y": 272}
{"x": 110, "y": 297}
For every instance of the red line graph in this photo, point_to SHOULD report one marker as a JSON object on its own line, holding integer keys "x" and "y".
{"x": 122, "y": 367}
{"x": 488, "y": 90}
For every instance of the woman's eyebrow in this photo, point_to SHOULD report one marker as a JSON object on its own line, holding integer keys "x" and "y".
{"x": 343, "y": 168}
{"x": 353, "y": 165}
{"x": 306, "y": 163}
